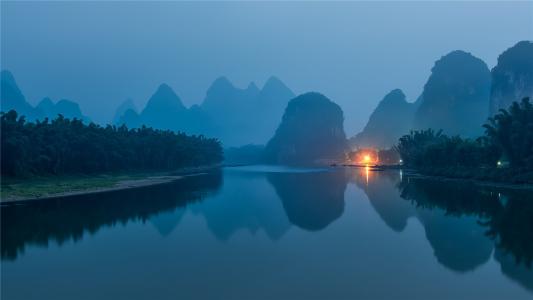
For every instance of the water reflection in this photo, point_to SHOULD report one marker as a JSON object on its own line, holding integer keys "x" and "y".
{"x": 465, "y": 225}
{"x": 465, "y": 222}
{"x": 245, "y": 202}
{"x": 64, "y": 219}
{"x": 516, "y": 271}
{"x": 381, "y": 189}
{"x": 503, "y": 215}
{"x": 311, "y": 200}
{"x": 459, "y": 243}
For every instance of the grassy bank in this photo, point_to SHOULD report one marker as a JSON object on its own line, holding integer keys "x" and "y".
{"x": 15, "y": 189}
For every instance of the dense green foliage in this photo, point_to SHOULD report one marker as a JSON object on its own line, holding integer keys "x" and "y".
{"x": 430, "y": 148}
{"x": 65, "y": 146}
{"x": 507, "y": 144}
{"x": 512, "y": 131}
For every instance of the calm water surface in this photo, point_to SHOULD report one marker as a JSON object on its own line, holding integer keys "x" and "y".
{"x": 274, "y": 232}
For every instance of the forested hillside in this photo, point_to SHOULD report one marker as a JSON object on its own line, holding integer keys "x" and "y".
{"x": 65, "y": 146}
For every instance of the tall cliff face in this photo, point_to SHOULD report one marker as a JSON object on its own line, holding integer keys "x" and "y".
{"x": 392, "y": 118}
{"x": 512, "y": 77}
{"x": 311, "y": 130}
{"x": 456, "y": 96}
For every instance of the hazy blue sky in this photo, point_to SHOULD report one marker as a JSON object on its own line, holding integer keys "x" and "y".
{"x": 99, "y": 53}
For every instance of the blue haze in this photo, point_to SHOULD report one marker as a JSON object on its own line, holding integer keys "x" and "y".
{"x": 101, "y": 53}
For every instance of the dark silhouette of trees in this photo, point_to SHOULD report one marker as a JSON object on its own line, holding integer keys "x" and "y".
{"x": 512, "y": 131}
{"x": 505, "y": 152}
{"x": 506, "y": 216}
{"x": 427, "y": 148}
{"x": 64, "y": 146}
{"x": 71, "y": 218}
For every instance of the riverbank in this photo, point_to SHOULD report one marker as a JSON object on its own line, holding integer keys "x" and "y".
{"x": 507, "y": 176}
{"x": 497, "y": 178}
{"x": 15, "y": 190}
{"x": 412, "y": 174}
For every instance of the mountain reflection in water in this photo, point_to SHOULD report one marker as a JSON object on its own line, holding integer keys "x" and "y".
{"x": 464, "y": 224}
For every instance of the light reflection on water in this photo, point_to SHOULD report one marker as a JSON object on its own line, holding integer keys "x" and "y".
{"x": 274, "y": 232}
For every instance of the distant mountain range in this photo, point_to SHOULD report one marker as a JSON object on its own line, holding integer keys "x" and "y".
{"x": 12, "y": 98}
{"x": 458, "y": 98}
{"x": 235, "y": 116}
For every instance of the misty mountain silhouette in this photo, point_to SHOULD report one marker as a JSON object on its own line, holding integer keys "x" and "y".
{"x": 311, "y": 130}
{"x": 246, "y": 116}
{"x": 121, "y": 109}
{"x": 233, "y": 115}
{"x": 456, "y": 96}
{"x": 131, "y": 119}
{"x": 455, "y": 99}
{"x": 69, "y": 109}
{"x": 392, "y": 118}
{"x": 512, "y": 77}
{"x": 164, "y": 109}
{"x": 12, "y": 98}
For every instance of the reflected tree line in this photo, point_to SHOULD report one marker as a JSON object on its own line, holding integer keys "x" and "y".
{"x": 70, "y": 218}
{"x": 464, "y": 224}
{"x": 310, "y": 201}
{"x": 499, "y": 219}
{"x": 506, "y": 216}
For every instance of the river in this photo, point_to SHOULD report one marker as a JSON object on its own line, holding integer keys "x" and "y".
{"x": 265, "y": 232}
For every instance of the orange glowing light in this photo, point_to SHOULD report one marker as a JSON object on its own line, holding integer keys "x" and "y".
{"x": 366, "y": 157}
